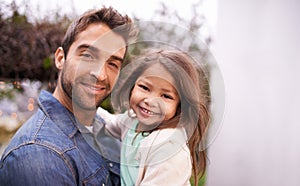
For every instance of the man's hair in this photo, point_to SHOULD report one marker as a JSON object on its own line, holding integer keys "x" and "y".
{"x": 120, "y": 24}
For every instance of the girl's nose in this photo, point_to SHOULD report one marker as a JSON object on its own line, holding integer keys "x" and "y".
{"x": 152, "y": 101}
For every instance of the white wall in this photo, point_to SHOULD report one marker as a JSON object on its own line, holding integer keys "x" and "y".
{"x": 257, "y": 47}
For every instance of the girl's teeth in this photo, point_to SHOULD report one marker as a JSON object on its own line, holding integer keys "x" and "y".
{"x": 147, "y": 111}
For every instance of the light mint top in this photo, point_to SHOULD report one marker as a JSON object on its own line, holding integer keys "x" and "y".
{"x": 129, "y": 162}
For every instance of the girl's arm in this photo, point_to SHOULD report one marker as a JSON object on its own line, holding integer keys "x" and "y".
{"x": 174, "y": 171}
{"x": 168, "y": 162}
{"x": 116, "y": 124}
{"x": 112, "y": 122}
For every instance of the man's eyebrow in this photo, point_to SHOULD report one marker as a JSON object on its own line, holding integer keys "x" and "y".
{"x": 114, "y": 57}
{"x": 89, "y": 47}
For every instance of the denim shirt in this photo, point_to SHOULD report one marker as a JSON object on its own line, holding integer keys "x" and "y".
{"x": 49, "y": 149}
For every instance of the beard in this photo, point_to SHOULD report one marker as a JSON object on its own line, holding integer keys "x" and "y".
{"x": 66, "y": 85}
{"x": 76, "y": 93}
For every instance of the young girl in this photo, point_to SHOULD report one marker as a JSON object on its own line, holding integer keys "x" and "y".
{"x": 163, "y": 129}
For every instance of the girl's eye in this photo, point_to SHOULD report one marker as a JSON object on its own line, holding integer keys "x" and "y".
{"x": 143, "y": 87}
{"x": 167, "y": 96}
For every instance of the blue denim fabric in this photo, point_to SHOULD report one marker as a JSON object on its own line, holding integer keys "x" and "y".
{"x": 101, "y": 140}
{"x": 50, "y": 150}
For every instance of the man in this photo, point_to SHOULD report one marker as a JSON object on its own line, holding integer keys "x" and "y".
{"x": 61, "y": 144}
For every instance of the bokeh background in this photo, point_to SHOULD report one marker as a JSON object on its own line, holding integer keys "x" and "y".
{"x": 256, "y": 45}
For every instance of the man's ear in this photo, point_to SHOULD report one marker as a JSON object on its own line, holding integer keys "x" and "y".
{"x": 59, "y": 58}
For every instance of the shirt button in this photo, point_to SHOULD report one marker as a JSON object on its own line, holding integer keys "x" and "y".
{"x": 111, "y": 165}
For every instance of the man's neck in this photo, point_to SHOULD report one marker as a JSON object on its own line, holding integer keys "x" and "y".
{"x": 84, "y": 116}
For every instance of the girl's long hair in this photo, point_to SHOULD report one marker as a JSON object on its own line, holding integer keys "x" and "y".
{"x": 192, "y": 112}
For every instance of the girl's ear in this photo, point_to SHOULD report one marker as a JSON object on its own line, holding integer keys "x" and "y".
{"x": 59, "y": 58}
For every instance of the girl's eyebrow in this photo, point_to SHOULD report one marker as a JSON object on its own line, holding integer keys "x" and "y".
{"x": 167, "y": 90}
{"x": 174, "y": 91}
{"x": 143, "y": 80}
{"x": 170, "y": 91}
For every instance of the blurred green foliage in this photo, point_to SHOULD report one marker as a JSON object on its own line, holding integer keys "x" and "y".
{"x": 201, "y": 181}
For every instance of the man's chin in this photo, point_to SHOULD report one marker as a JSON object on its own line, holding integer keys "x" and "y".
{"x": 84, "y": 104}
{"x": 88, "y": 102}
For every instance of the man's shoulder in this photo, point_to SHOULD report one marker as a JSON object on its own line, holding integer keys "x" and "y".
{"x": 39, "y": 131}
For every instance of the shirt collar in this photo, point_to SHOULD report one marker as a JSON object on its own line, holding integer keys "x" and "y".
{"x": 97, "y": 125}
{"x": 61, "y": 116}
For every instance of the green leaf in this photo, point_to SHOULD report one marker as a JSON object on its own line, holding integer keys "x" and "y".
{"x": 47, "y": 63}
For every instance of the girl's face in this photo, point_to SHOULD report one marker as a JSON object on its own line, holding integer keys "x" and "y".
{"x": 154, "y": 98}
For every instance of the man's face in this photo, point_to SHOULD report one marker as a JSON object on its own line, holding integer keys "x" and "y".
{"x": 92, "y": 66}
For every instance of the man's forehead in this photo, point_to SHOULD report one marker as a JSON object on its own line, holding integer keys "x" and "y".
{"x": 101, "y": 36}
{"x": 110, "y": 43}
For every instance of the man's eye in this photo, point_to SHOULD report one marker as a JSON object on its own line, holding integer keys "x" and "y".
{"x": 86, "y": 56}
{"x": 114, "y": 65}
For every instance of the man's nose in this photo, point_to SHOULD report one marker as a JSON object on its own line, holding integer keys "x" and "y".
{"x": 100, "y": 72}
{"x": 103, "y": 73}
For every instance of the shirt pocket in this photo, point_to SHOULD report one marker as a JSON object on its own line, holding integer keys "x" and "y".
{"x": 98, "y": 178}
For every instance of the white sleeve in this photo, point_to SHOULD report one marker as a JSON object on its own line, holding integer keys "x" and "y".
{"x": 106, "y": 116}
{"x": 115, "y": 123}
{"x": 166, "y": 158}
{"x": 174, "y": 171}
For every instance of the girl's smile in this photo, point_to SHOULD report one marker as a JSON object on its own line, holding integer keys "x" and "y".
{"x": 147, "y": 112}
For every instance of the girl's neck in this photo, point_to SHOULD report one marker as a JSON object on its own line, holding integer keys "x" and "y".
{"x": 145, "y": 128}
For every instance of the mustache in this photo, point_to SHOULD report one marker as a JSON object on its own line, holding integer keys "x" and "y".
{"x": 92, "y": 80}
